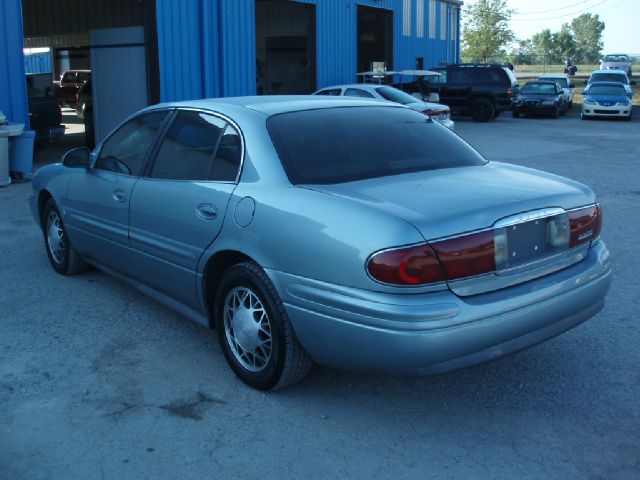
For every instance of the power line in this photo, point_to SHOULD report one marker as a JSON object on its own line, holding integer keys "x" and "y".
{"x": 555, "y": 17}
{"x": 552, "y": 9}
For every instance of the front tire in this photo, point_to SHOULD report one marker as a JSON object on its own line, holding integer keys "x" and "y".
{"x": 63, "y": 257}
{"x": 254, "y": 331}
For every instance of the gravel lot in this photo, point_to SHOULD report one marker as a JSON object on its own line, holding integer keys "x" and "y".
{"x": 98, "y": 381}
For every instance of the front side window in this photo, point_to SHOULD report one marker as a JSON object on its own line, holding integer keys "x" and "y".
{"x": 343, "y": 144}
{"x": 125, "y": 151}
{"x": 332, "y": 92}
{"x": 188, "y": 147}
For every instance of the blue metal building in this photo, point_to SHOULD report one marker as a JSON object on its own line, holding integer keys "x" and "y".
{"x": 209, "y": 48}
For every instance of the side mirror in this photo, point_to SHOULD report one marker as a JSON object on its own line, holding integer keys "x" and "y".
{"x": 585, "y": 92}
{"x": 77, "y": 158}
{"x": 632, "y": 82}
{"x": 571, "y": 85}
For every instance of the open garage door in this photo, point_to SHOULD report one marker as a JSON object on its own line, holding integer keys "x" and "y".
{"x": 285, "y": 47}
{"x": 109, "y": 44}
{"x": 375, "y": 38}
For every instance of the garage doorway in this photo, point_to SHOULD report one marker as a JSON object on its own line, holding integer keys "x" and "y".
{"x": 285, "y": 47}
{"x": 97, "y": 38}
{"x": 375, "y": 38}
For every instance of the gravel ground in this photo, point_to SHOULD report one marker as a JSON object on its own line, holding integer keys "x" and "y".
{"x": 98, "y": 381}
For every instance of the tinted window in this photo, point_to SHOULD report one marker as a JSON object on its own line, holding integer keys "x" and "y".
{"x": 459, "y": 76}
{"x": 489, "y": 75}
{"x": 609, "y": 77}
{"x": 125, "y": 151}
{"x": 82, "y": 77}
{"x": 188, "y": 147}
{"x": 228, "y": 156}
{"x": 395, "y": 95}
{"x": 356, "y": 92}
{"x": 335, "y": 145}
{"x": 68, "y": 77}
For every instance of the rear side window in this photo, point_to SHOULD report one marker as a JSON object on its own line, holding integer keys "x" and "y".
{"x": 460, "y": 76}
{"x": 226, "y": 164}
{"x": 336, "y": 145}
{"x": 489, "y": 75}
{"x": 68, "y": 77}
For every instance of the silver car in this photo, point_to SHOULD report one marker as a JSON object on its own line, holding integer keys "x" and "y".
{"x": 616, "y": 61}
{"x": 440, "y": 113}
{"x": 355, "y": 234}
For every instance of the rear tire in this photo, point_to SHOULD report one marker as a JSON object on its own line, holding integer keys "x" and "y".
{"x": 482, "y": 110}
{"x": 254, "y": 331}
{"x": 63, "y": 257}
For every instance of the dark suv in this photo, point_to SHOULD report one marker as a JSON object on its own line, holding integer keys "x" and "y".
{"x": 479, "y": 89}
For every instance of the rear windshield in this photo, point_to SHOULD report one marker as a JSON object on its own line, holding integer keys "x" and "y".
{"x": 616, "y": 58}
{"x": 336, "y": 145}
{"x": 606, "y": 90}
{"x": 609, "y": 77}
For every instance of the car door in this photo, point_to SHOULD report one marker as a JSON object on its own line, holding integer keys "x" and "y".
{"x": 178, "y": 207}
{"x": 97, "y": 206}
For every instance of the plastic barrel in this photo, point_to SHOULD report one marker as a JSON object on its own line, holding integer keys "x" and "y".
{"x": 21, "y": 153}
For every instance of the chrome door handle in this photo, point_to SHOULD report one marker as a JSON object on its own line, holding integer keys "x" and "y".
{"x": 207, "y": 211}
{"x": 119, "y": 196}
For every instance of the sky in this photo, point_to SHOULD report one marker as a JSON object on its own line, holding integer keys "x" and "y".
{"x": 621, "y": 19}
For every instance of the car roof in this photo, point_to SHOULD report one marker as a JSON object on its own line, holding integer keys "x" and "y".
{"x": 541, "y": 82}
{"x": 275, "y": 104}
{"x": 367, "y": 86}
{"x": 553, "y": 75}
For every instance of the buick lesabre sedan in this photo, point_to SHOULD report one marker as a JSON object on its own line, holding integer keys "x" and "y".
{"x": 356, "y": 234}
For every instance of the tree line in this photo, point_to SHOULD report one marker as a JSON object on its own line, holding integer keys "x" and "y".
{"x": 486, "y": 36}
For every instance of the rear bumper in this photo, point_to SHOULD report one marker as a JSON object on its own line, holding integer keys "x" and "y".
{"x": 436, "y": 332}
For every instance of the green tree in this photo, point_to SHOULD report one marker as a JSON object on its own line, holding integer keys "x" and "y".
{"x": 543, "y": 44}
{"x": 564, "y": 45}
{"x": 486, "y": 29}
{"x": 587, "y": 32}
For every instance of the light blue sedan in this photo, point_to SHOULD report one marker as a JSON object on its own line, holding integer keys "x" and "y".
{"x": 355, "y": 234}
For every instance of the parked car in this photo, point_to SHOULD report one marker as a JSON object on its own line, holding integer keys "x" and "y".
{"x": 606, "y": 99}
{"x": 348, "y": 232}
{"x": 612, "y": 76}
{"x": 440, "y": 113}
{"x": 540, "y": 98}
{"x": 481, "y": 90}
{"x": 45, "y": 116}
{"x": 70, "y": 83}
{"x": 616, "y": 61}
{"x": 567, "y": 87}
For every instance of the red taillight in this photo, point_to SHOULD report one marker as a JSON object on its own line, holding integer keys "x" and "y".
{"x": 586, "y": 224}
{"x": 509, "y": 93}
{"x": 467, "y": 255}
{"x": 415, "y": 265}
{"x": 451, "y": 259}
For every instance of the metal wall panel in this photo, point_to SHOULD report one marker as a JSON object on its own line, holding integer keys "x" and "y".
{"x": 208, "y": 47}
{"x": 13, "y": 90}
{"x": 38, "y": 63}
